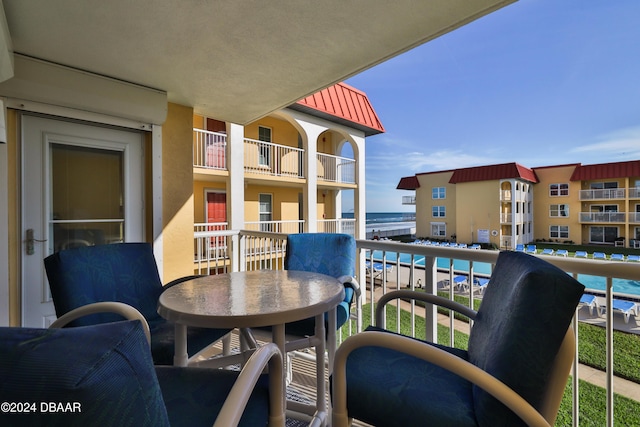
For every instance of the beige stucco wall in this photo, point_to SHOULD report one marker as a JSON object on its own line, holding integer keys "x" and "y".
{"x": 282, "y": 132}
{"x": 425, "y": 202}
{"x": 541, "y": 217}
{"x": 177, "y": 192}
{"x": 284, "y": 201}
{"x": 478, "y": 208}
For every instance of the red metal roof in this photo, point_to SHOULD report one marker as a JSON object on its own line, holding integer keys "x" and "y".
{"x": 606, "y": 170}
{"x": 346, "y": 103}
{"x": 408, "y": 183}
{"x": 493, "y": 172}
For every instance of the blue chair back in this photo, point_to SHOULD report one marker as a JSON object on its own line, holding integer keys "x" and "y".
{"x": 525, "y": 313}
{"x": 101, "y": 375}
{"x": 333, "y": 254}
{"x": 123, "y": 272}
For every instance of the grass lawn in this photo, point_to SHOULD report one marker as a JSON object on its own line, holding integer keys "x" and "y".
{"x": 592, "y": 398}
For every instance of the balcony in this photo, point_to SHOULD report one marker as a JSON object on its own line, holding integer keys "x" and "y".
{"x": 336, "y": 169}
{"x": 603, "y": 194}
{"x": 634, "y": 217}
{"x": 267, "y": 158}
{"x": 209, "y": 149}
{"x": 409, "y": 200}
{"x": 602, "y": 217}
{"x": 418, "y": 266}
{"x": 634, "y": 193}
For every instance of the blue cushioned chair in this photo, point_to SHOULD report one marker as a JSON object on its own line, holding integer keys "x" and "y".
{"x": 326, "y": 253}
{"x": 520, "y": 351}
{"x": 104, "y": 375}
{"x": 123, "y": 272}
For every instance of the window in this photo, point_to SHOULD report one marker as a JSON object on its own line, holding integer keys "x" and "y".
{"x": 266, "y": 214}
{"x": 559, "y": 231}
{"x": 439, "y": 193}
{"x": 603, "y": 185}
{"x": 559, "y": 210}
{"x": 264, "y": 156}
{"x": 438, "y": 229}
{"x": 556, "y": 190}
{"x": 438, "y": 211}
{"x": 603, "y": 234}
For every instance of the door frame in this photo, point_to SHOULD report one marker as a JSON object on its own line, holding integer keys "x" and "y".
{"x": 11, "y": 285}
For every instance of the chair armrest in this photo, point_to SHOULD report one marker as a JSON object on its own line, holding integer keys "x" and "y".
{"x": 120, "y": 308}
{"x": 180, "y": 280}
{"x": 238, "y": 397}
{"x": 431, "y": 354}
{"x": 422, "y": 296}
{"x": 352, "y": 283}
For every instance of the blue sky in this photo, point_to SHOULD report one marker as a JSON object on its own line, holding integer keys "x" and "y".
{"x": 539, "y": 82}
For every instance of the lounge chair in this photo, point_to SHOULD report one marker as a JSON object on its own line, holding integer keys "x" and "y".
{"x": 378, "y": 268}
{"x": 562, "y": 252}
{"x": 531, "y": 249}
{"x": 547, "y": 251}
{"x": 460, "y": 282}
{"x": 633, "y": 258}
{"x": 476, "y": 246}
{"x": 588, "y": 300}
{"x": 625, "y": 307}
{"x": 580, "y": 254}
{"x": 599, "y": 255}
{"x": 462, "y": 245}
{"x": 519, "y": 248}
{"x": 617, "y": 257}
{"x": 480, "y": 284}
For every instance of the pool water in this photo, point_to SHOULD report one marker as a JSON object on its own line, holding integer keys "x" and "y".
{"x": 597, "y": 283}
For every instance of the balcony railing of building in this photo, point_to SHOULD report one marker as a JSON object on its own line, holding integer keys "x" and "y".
{"x": 634, "y": 217}
{"x": 336, "y": 169}
{"x": 602, "y": 217}
{"x": 287, "y": 227}
{"x": 339, "y": 225}
{"x": 417, "y": 267}
{"x": 267, "y": 158}
{"x": 603, "y": 193}
{"x": 209, "y": 149}
{"x": 408, "y": 200}
{"x": 634, "y": 193}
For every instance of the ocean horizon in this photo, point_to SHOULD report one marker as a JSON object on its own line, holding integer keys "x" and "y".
{"x": 376, "y": 218}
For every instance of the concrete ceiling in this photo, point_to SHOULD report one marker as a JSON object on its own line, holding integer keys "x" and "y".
{"x": 233, "y": 60}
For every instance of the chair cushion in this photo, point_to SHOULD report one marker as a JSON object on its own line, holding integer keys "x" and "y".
{"x": 124, "y": 272}
{"x": 107, "y": 369}
{"x": 396, "y": 395}
{"x": 333, "y": 254}
{"x": 194, "y": 396}
{"x": 523, "y": 318}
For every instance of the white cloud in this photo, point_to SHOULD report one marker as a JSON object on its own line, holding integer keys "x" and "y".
{"x": 623, "y": 144}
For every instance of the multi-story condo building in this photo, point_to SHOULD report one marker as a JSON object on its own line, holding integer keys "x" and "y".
{"x": 509, "y": 204}
{"x": 289, "y": 172}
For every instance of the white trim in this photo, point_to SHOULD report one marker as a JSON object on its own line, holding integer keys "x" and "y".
{"x": 4, "y": 238}
{"x": 71, "y": 113}
{"x": 156, "y": 190}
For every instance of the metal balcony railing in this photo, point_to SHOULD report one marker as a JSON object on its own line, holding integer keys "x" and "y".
{"x": 340, "y": 225}
{"x": 209, "y": 149}
{"x": 336, "y": 169}
{"x": 602, "y": 217}
{"x": 408, "y": 200}
{"x": 414, "y": 265}
{"x": 604, "y": 193}
{"x": 267, "y": 158}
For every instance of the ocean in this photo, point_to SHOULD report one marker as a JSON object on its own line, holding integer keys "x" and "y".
{"x": 387, "y": 224}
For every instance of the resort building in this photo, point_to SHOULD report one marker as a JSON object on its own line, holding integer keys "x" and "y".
{"x": 292, "y": 170}
{"x": 509, "y": 204}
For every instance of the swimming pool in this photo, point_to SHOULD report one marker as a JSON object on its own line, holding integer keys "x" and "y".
{"x": 596, "y": 283}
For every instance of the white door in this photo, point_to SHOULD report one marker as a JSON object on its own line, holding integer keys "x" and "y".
{"x": 81, "y": 185}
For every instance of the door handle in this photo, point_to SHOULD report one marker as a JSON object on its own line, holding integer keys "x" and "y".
{"x": 30, "y": 242}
